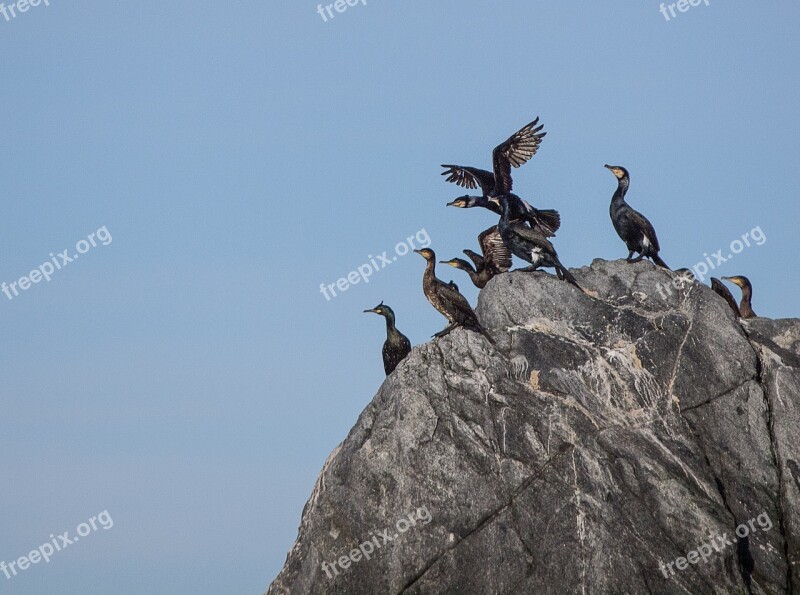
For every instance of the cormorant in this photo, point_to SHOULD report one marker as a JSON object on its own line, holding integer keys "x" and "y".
{"x": 530, "y": 245}
{"x": 546, "y": 222}
{"x": 723, "y": 291}
{"x": 496, "y": 258}
{"x": 745, "y": 306}
{"x": 633, "y": 227}
{"x": 516, "y": 150}
{"x": 479, "y": 279}
{"x": 447, "y": 300}
{"x": 397, "y": 346}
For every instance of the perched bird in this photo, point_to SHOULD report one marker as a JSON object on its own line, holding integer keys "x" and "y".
{"x": 515, "y": 151}
{"x": 447, "y": 300}
{"x": 723, "y": 291}
{"x": 546, "y": 222}
{"x": 633, "y": 227}
{"x": 495, "y": 259}
{"x": 745, "y": 306}
{"x": 397, "y": 346}
{"x": 530, "y": 245}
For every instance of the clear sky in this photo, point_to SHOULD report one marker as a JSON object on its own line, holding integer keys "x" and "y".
{"x": 189, "y": 377}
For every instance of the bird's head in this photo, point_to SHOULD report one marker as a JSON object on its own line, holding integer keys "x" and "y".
{"x": 381, "y": 309}
{"x": 619, "y": 172}
{"x": 457, "y": 263}
{"x": 741, "y": 281}
{"x": 462, "y": 202}
{"x": 427, "y": 254}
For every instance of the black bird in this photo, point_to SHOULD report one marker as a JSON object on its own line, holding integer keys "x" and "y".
{"x": 397, "y": 346}
{"x": 633, "y": 227}
{"x": 447, "y": 300}
{"x": 746, "y": 305}
{"x": 496, "y": 258}
{"x": 723, "y": 291}
{"x": 515, "y": 151}
{"x": 546, "y": 222}
{"x": 530, "y": 245}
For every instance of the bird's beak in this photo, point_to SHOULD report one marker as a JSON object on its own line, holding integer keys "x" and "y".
{"x": 450, "y": 262}
{"x": 373, "y": 311}
{"x": 418, "y": 252}
{"x": 607, "y": 166}
{"x": 732, "y": 280}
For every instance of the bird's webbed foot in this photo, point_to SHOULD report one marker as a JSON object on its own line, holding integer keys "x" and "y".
{"x": 631, "y": 259}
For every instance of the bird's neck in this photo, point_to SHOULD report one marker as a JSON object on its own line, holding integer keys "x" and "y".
{"x": 746, "y": 305}
{"x": 390, "y": 327}
{"x": 466, "y": 266}
{"x": 505, "y": 215}
{"x": 622, "y": 190}
{"x": 488, "y": 204}
{"x": 430, "y": 271}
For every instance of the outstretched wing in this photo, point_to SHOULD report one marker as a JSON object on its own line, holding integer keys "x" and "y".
{"x": 470, "y": 177}
{"x": 644, "y": 224}
{"x": 518, "y": 149}
{"x": 497, "y": 256}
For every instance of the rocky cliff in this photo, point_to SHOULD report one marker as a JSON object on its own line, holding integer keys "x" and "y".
{"x": 637, "y": 439}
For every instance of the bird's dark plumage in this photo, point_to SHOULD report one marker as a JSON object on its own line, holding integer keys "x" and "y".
{"x": 496, "y": 258}
{"x": 546, "y": 221}
{"x": 397, "y": 346}
{"x": 746, "y": 304}
{"x": 632, "y": 227}
{"x": 515, "y": 151}
{"x": 530, "y": 245}
{"x": 725, "y": 293}
{"x": 448, "y": 300}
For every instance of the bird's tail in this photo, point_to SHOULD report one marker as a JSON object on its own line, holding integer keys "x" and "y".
{"x": 476, "y": 326}
{"x": 657, "y": 259}
{"x": 568, "y": 276}
{"x": 548, "y": 220}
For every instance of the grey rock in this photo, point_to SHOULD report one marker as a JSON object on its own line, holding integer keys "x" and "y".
{"x": 604, "y": 437}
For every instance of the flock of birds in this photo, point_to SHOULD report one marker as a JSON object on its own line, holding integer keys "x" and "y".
{"x": 523, "y": 231}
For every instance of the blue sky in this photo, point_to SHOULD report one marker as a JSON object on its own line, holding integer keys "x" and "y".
{"x": 189, "y": 377}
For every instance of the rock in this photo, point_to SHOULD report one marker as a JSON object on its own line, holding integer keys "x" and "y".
{"x": 609, "y": 442}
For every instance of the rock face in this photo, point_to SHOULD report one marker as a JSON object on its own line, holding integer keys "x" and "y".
{"x": 610, "y": 442}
